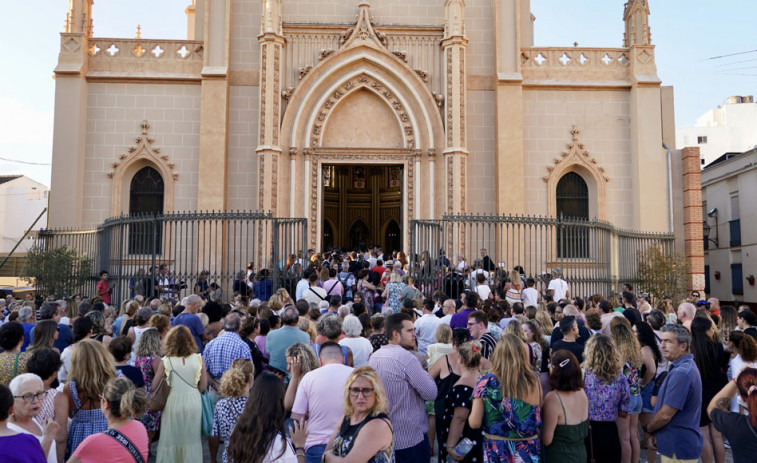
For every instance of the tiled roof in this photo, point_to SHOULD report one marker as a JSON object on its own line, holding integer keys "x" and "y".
{"x": 8, "y": 178}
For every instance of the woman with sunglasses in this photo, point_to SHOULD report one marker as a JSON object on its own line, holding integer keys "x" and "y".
{"x": 365, "y": 434}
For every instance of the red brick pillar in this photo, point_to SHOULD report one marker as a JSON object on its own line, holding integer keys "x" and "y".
{"x": 692, "y": 217}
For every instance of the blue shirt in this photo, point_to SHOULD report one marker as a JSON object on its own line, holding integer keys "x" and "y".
{"x": 65, "y": 337}
{"x": 223, "y": 350}
{"x": 278, "y": 341}
{"x": 193, "y": 323}
{"x": 28, "y": 339}
{"x": 682, "y": 390}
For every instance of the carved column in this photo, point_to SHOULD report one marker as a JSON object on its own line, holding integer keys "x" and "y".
{"x": 271, "y": 42}
{"x": 454, "y": 46}
{"x": 431, "y": 167}
{"x": 70, "y": 127}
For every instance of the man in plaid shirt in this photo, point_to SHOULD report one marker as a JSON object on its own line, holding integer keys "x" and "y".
{"x": 225, "y": 348}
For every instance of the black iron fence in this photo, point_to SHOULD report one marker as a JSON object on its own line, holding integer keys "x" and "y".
{"x": 594, "y": 256}
{"x": 205, "y": 247}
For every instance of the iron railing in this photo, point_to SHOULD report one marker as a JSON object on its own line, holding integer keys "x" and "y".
{"x": 594, "y": 256}
{"x": 188, "y": 243}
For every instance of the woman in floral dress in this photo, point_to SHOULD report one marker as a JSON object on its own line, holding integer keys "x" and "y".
{"x": 148, "y": 361}
{"x": 507, "y": 402}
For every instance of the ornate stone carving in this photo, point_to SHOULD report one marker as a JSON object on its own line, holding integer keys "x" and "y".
{"x": 276, "y": 90}
{"x": 422, "y": 74}
{"x": 463, "y": 161}
{"x": 274, "y": 183}
{"x": 401, "y": 55}
{"x": 292, "y": 151}
{"x": 144, "y": 150}
{"x": 261, "y": 183}
{"x": 302, "y": 72}
{"x": 263, "y": 77}
{"x": 439, "y": 98}
{"x": 431, "y": 152}
{"x": 287, "y": 94}
{"x": 454, "y": 24}
{"x": 325, "y": 53}
{"x": 363, "y": 30}
{"x": 450, "y": 182}
{"x": 462, "y": 97}
{"x": 449, "y": 99}
{"x": 576, "y": 154}
{"x": 362, "y": 81}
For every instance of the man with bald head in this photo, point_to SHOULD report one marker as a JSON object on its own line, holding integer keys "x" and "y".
{"x": 190, "y": 319}
{"x": 686, "y": 313}
{"x": 714, "y": 306}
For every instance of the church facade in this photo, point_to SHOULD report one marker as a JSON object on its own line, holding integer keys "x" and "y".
{"x": 361, "y": 117}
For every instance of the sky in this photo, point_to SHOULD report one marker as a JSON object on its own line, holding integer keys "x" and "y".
{"x": 692, "y": 39}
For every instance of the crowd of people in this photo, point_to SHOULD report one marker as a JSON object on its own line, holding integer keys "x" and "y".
{"x": 356, "y": 363}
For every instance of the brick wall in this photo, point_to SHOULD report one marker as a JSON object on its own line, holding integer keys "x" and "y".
{"x": 692, "y": 213}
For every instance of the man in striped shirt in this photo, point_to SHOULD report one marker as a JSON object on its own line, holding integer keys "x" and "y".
{"x": 407, "y": 386}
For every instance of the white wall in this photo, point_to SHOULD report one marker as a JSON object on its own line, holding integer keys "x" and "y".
{"x": 21, "y": 201}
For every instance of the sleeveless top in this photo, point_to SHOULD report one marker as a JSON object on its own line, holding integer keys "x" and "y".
{"x": 568, "y": 440}
{"x": 347, "y": 434}
{"x": 443, "y": 386}
{"x": 83, "y": 423}
{"x": 512, "y": 296}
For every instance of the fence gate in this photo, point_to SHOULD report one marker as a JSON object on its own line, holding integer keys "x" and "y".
{"x": 593, "y": 256}
{"x": 212, "y": 247}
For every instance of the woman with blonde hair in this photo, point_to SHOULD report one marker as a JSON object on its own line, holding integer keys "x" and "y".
{"x": 392, "y": 292}
{"x": 513, "y": 288}
{"x": 365, "y": 434}
{"x": 126, "y": 318}
{"x": 507, "y": 401}
{"x": 92, "y": 367}
{"x": 442, "y": 346}
{"x": 147, "y": 359}
{"x": 454, "y": 421}
{"x": 542, "y": 316}
{"x": 161, "y": 323}
{"x": 121, "y": 403}
{"x": 182, "y": 416}
{"x": 629, "y": 352}
{"x": 609, "y": 398}
{"x": 300, "y": 360}
{"x": 235, "y": 387}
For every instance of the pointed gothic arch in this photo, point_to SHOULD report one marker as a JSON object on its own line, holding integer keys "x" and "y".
{"x": 140, "y": 156}
{"x": 578, "y": 160}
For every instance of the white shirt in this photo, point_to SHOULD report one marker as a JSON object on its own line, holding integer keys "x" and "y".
{"x": 52, "y": 455}
{"x": 472, "y": 282}
{"x": 425, "y": 330}
{"x": 302, "y": 286}
{"x": 311, "y": 294}
{"x": 446, "y": 319}
{"x": 530, "y": 296}
{"x": 361, "y": 350}
{"x": 560, "y": 287}
{"x": 483, "y": 291}
{"x": 275, "y": 450}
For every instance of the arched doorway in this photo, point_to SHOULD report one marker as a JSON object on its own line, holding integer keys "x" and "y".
{"x": 572, "y": 197}
{"x": 146, "y": 194}
{"x": 392, "y": 237}
{"x": 359, "y": 234}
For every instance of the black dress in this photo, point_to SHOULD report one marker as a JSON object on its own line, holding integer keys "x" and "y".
{"x": 460, "y": 396}
{"x": 443, "y": 386}
{"x": 713, "y": 381}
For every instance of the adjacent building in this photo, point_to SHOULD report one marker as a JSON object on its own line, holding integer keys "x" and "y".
{"x": 22, "y": 200}
{"x": 729, "y": 186}
{"x": 729, "y": 128}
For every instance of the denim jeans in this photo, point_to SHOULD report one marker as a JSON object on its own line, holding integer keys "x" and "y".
{"x": 419, "y": 453}
{"x": 314, "y": 453}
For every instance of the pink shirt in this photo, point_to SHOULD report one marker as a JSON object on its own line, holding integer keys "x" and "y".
{"x": 320, "y": 397}
{"x": 96, "y": 446}
{"x": 332, "y": 288}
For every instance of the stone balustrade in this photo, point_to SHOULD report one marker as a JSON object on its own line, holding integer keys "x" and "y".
{"x": 553, "y": 64}
{"x": 145, "y": 59}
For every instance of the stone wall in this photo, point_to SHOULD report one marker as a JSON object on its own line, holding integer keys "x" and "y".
{"x": 603, "y": 118}
{"x": 114, "y": 114}
{"x": 242, "y": 187}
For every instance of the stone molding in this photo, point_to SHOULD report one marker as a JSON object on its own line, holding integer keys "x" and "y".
{"x": 141, "y": 155}
{"x": 576, "y": 158}
{"x": 143, "y": 59}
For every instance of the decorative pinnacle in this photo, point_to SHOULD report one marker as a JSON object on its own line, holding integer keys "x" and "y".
{"x": 575, "y": 132}
{"x": 139, "y": 32}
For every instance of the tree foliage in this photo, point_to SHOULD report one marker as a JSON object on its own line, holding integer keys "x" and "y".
{"x": 662, "y": 274}
{"x": 59, "y": 272}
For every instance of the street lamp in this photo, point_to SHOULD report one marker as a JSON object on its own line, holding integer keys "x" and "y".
{"x": 706, "y": 227}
